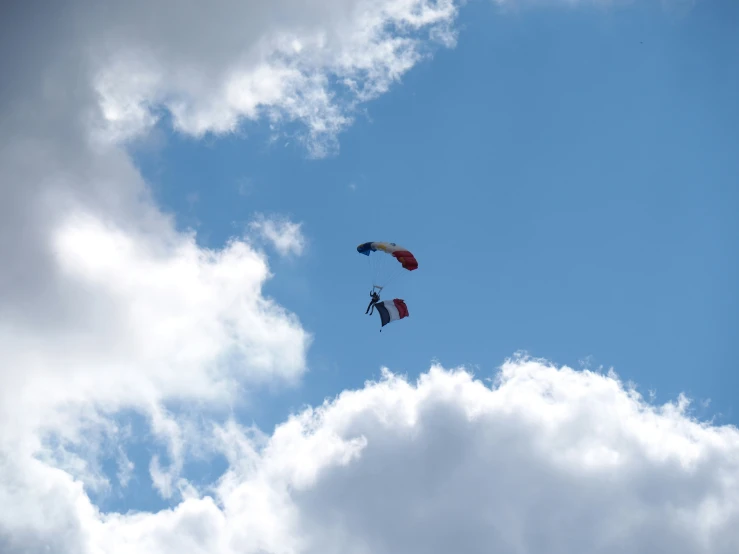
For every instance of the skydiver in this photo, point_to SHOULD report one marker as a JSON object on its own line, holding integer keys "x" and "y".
{"x": 375, "y": 300}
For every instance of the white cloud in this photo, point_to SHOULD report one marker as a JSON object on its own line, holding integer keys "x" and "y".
{"x": 158, "y": 318}
{"x": 125, "y": 468}
{"x": 146, "y": 320}
{"x": 285, "y": 235}
{"x": 286, "y": 60}
{"x": 549, "y": 459}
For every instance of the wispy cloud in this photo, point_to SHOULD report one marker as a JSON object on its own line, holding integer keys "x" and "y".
{"x": 192, "y": 198}
{"x": 245, "y": 186}
{"x": 125, "y": 468}
{"x": 285, "y": 235}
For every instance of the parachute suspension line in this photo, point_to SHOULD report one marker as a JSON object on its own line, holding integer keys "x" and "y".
{"x": 396, "y": 272}
{"x": 378, "y": 265}
{"x": 374, "y": 269}
{"x": 384, "y": 270}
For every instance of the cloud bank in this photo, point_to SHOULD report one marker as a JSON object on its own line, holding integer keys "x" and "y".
{"x": 549, "y": 459}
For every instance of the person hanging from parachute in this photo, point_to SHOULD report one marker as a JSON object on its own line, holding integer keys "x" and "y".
{"x": 389, "y": 310}
{"x": 375, "y": 300}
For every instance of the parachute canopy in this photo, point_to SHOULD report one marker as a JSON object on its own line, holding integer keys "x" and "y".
{"x": 387, "y": 262}
{"x": 391, "y": 310}
{"x": 406, "y": 259}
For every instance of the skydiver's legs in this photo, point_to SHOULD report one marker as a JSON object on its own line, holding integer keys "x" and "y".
{"x": 371, "y": 305}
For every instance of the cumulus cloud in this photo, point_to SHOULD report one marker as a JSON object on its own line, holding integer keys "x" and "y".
{"x": 213, "y": 66}
{"x": 133, "y": 317}
{"x": 548, "y": 459}
{"x": 285, "y": 235}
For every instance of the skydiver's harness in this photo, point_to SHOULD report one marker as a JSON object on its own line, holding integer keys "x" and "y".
{"x": 375, "y": 297}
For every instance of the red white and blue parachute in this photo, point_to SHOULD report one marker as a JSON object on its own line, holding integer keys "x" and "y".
{"x": 387, "y": 261}
{"x": 406, "y": 259}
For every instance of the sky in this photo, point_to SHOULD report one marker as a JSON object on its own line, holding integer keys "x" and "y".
{"x": 187, "y": 366}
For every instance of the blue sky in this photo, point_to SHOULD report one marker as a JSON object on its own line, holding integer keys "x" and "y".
{"x": 566, "y": 175}
{"x": 566, "y": 178}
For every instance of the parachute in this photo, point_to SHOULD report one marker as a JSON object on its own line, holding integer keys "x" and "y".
{"x": 391, "y": 310}
{"x": 384, "y": 268}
